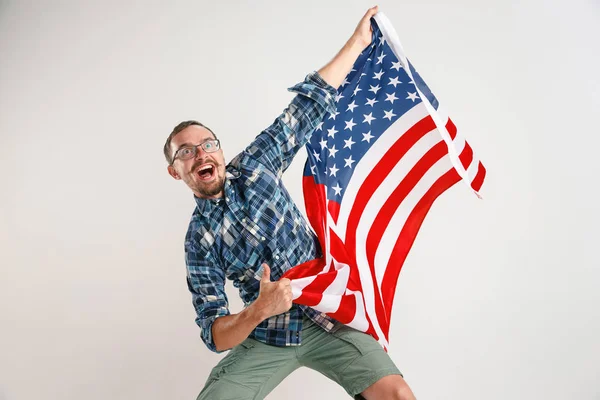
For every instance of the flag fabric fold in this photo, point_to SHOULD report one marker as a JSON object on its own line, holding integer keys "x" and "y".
{"x": 375, "y": 166}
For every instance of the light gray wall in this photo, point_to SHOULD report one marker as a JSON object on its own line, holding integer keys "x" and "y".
{"x": 498, "y": 299}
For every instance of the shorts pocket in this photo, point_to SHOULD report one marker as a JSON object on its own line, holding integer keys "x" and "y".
{"x": 361, "y": 341}
{"x": 229, "y": 361}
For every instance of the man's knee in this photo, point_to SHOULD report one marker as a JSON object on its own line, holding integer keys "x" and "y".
{"x": 389, "y": 387}
{"x": 404, "y": 393}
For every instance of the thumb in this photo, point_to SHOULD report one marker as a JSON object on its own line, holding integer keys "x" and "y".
{"x": 266, "y": 275}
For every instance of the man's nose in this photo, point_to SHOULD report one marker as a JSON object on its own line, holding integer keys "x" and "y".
{"x": 199, "y": 152}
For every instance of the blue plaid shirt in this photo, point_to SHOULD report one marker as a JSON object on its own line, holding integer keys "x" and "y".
{"x": 257, "y": 221}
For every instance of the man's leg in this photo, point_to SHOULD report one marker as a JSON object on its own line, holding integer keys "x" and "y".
{"x": 354, "y": 360}
{"x": 250, "y": 371}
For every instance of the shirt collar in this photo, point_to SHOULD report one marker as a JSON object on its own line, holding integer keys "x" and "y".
{"x": 206, "y": 206}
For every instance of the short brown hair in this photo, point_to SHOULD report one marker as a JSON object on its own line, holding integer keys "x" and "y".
{"x": 181, "y": 126}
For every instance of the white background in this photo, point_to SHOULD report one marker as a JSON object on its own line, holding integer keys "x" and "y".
{"x": 499, "y": 297}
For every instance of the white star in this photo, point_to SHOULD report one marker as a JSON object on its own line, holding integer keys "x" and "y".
{"x": 412, "y": 96}
{"x": 331, "y": 132}
{"x": 338, "y": 97}
{"x": 374, "y": 89}
{"x": 349, "y": 161}
{"x": 367, "y": 137}
{"x": 396, "y": 65}
{"x": 323, "y": 144}
{"x": 371, "y": 102}
{"x": 333, "y": 170}
{"x": 380, "y": 59}
{"x": 352, "y": 106}
{"x": 338, "y": 189}
{"x": 356, "y": 90}
{"x": 394, "y": 81}
{"x": 345, "y": 82}
{"x": 378, "y": 75}
{"x": 313, "y": 169}
{"x": 335, "y": 114}
{"x": 349, "y": 124}
{"x": 319, "y": 127}
{"x": 332, "y": 151}
{"x": 411, "y": 82}
{"x": 369, "y": 118}
{"x": 391, "y": 97}
{"x": 317, "y": 155}
{"x": 349, "y": 143}
{"x": 381, "y": 40}
{"x": 389, "y": 114}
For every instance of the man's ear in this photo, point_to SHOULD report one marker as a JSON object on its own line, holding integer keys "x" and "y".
{"x": 173, "y": 173}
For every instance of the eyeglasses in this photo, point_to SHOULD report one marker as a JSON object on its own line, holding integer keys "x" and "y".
{"x": 188, "y": 152}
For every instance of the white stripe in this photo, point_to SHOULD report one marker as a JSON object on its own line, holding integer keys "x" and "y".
{"x": 459, "y": 143}
{"x": 473, "y": 169}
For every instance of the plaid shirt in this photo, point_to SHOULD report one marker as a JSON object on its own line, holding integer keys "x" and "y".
{"x": 257, "y": 221}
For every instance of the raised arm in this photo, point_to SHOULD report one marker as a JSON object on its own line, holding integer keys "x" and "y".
{"x": 336, "y": 70}
{"x": 277, "y": 145}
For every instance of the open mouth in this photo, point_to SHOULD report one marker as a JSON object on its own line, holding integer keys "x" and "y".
{"x": 206, "y": 172}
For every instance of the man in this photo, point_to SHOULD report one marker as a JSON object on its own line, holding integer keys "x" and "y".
{"x": 247, "y": 228}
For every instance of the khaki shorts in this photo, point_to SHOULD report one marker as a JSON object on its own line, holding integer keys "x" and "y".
{"x": 253, "y": 369}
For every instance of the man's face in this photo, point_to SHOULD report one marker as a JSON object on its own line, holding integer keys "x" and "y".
{"x": 205, "y": 173}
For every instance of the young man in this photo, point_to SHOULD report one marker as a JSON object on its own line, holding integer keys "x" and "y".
{"x": 247, "y": 228}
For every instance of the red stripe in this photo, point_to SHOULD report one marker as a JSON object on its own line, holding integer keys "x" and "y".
{"x": 409, "y": 232}
{"x": 478, "y": 181}
{"x": 451, "y": 128}
{"x": 334, "y": 209}
{"x": 309, "y": 268}
{"x": 466, "y": 156}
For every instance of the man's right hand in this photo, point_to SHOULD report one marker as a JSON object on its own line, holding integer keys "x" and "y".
{"x": 274, "y": 297}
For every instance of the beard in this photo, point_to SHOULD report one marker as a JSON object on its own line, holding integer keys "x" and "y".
{"x": 211, "y": 189}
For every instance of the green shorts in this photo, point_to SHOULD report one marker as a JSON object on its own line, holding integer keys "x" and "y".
{"x": 252, "y": 369}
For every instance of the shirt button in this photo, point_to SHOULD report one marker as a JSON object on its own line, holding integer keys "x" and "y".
{"x": 243, "y": 219}
{"x": 262, "y": 238}
{"x": 277, "y": 257}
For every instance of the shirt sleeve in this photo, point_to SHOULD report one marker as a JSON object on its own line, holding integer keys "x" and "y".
{"x": 277, "y": 145}
{"x": 206, "y": 282}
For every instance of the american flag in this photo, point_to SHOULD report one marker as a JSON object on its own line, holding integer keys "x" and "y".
{"x": 374, "y": 168}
